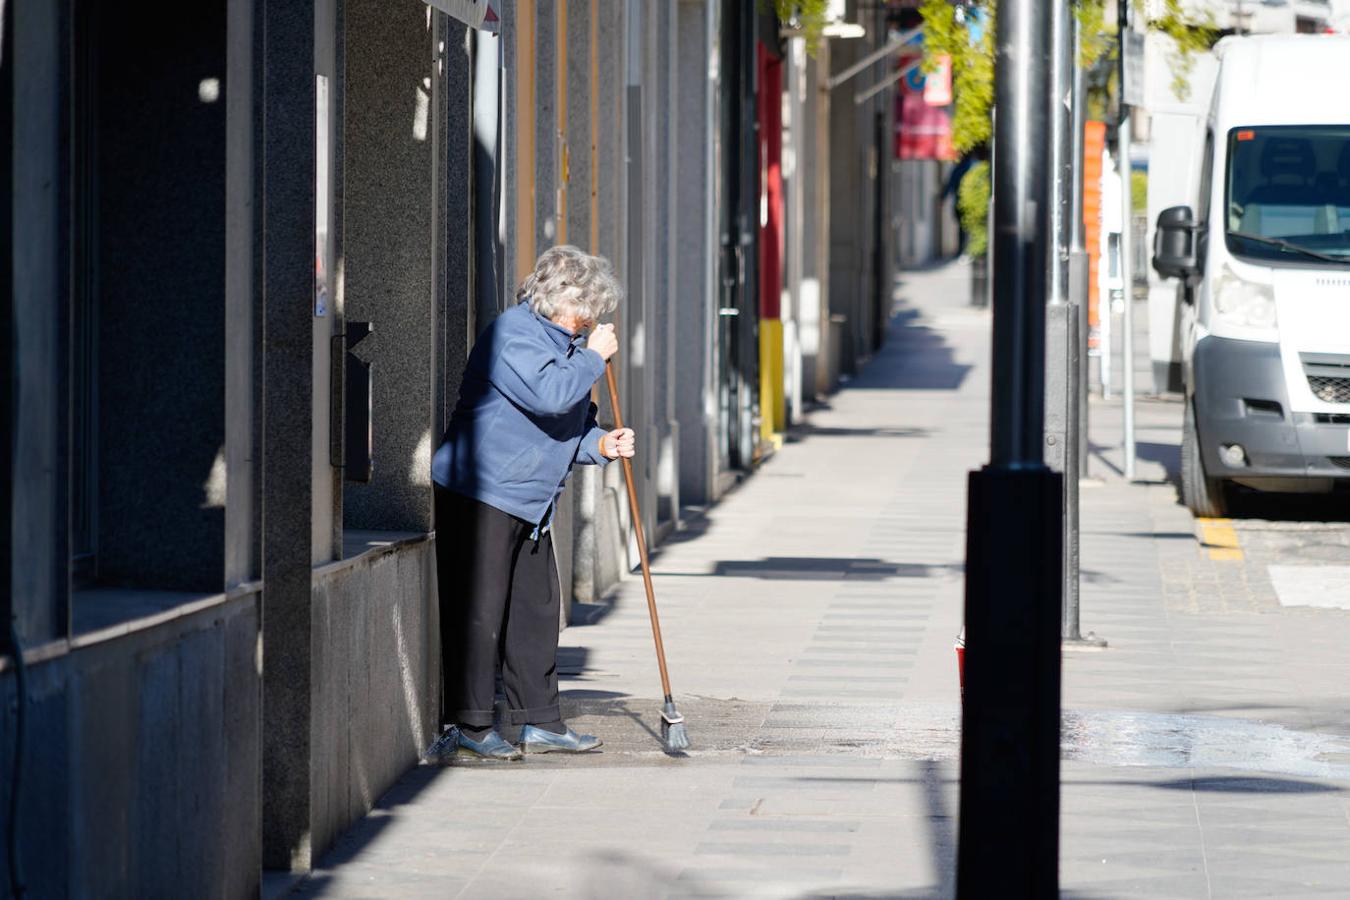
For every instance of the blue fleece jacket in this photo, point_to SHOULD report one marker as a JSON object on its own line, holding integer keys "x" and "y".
{"x": 523, "y": 418}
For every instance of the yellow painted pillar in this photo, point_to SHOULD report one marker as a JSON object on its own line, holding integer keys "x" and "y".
{"x": 772, "y": 401}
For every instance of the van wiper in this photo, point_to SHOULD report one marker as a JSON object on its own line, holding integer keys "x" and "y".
{"x": 1287, "y": 245}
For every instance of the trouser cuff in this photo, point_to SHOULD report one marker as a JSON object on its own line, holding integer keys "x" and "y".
{"x": 536, "y": 716}
{"x": 477, "y": 718}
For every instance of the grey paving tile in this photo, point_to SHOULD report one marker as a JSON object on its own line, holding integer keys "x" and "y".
{"x": 742, "y": 848}
{"x": 802, "y": 783}
{"x": 834, "y": 761}
{"x": 865, "y": 665}
{"x": 785, "y": 825}
{"x": 717, "y": 874}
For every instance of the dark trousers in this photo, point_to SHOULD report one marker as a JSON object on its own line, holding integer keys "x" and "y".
{"x": 499, "y": 597}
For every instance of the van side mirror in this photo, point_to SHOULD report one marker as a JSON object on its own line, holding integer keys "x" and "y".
{"x": 1176, "y": 244}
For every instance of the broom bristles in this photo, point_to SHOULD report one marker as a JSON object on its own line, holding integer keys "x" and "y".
{"x": 673, "y": 732}
{"x": 677, "y": 737}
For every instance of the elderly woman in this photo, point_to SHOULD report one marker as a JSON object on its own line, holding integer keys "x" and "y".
{"x": 524, "y": 418}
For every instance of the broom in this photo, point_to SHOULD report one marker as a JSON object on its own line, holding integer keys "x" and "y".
{"x": 673, "y": 732}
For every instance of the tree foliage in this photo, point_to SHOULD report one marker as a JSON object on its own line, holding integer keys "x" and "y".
{"x": 1095, "y": 41}
{"x": 972, "y": 205}
{"x": 1138, "y": 191}
{"x": 808, "y": 16}
{"x": 1189, "y": 37}
{"x": 948, "y": 32}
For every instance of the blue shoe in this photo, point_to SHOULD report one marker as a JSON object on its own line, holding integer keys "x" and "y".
{"x": 492, "y": 748}
{"x": 537, "y": 740}
{"x": 443, "y": 749}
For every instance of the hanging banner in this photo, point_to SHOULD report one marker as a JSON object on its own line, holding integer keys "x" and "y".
{"x": 923, "y": 129}
{"x": 937, "y": 84}
{"x": 481, "y": 14}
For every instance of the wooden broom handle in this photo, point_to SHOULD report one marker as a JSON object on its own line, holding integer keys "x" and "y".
{"x": 641, "y": 540}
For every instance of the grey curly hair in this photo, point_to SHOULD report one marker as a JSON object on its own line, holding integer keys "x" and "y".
{"x": 567, "y": 280}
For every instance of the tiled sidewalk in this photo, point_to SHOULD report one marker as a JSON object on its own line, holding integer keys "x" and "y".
{"x": 809, "y": 620}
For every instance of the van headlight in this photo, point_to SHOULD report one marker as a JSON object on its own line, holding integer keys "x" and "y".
{"x": 1249, "y": 304}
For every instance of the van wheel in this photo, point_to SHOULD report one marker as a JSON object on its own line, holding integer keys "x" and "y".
{"x": 1204, "y": 496}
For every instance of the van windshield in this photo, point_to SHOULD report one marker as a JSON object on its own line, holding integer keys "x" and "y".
{"x": 1288, "y": 193}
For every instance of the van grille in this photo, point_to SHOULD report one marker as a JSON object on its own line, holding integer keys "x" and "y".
{"x": 1342, "y": 462}
{"x": 1329, "y": 389}
{"x": 1332, "y": 418}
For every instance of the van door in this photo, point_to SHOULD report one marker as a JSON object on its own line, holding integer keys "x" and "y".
{"x": 1188, "y": 314}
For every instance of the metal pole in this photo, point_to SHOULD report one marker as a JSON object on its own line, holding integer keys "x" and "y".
{"x": 1061, "y": 402}
{"x": 1059, "y": 394}
{"x": 1078, "y": 259}
{"x": 1061, "y": 150}
{"x": 1127, "y": 277}
{"x": 1104, "y": 329}
{"x": 863, "y": 96}
{"x": 1126, "y": 252}
{"x": 1073, "y": 264}
{"x": 1019, "y": 237}
{"x": 900, "y": 40}
{"x": 1009, "y": 811}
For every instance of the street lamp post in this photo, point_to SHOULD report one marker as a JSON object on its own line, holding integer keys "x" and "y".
{"x": 1078, "y": 255}
{"x": 1126, "y": 242}
{"x": 1061, "y": 317}
{"x": 1009, "y": 822}
{"x": 1065, "y": 317}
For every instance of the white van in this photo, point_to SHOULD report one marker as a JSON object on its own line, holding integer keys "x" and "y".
{"x": 1264, "y": 253}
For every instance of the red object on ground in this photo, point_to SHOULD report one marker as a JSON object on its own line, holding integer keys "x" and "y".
{"x": 960, "y": 649}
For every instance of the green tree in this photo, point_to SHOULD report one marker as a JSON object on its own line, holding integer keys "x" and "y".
{"x": 808, "y": 16}
{"x": 1138, "y": 191}
{"x": 1189, "y": 37}
{"x": 972, "y": 203}
{"x": 947, "y": 32}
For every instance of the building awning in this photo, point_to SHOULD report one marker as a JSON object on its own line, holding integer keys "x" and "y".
{"x": 485, "y": 15}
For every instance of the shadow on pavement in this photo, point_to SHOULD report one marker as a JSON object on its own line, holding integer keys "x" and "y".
{"x": 829, "y": 568}
{"x": 1237, "y": 784}
{"x": 1244, "y": 503}
{"x": 914, "y": 357}
{"x": 1224, "y": 784}
{"x": 1148, "y": 535}
{"x": 582, "y": 614}
{"x": 941, "y": 829}
{"x": 573, "y": 661}
{"x": 809, "y": 568}
{"x": 694, "y": 524}
{"x": 1166, "y": 455}
{"x": 801, "y": 432}
{"x": 1098, "y": 452}
{"x": 366, "y": 830}
{"x": 605, "y": 704}
{"x": 1249, "y": 504}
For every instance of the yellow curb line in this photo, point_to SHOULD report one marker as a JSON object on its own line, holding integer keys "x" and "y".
{"x": 1219, "y": 539}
